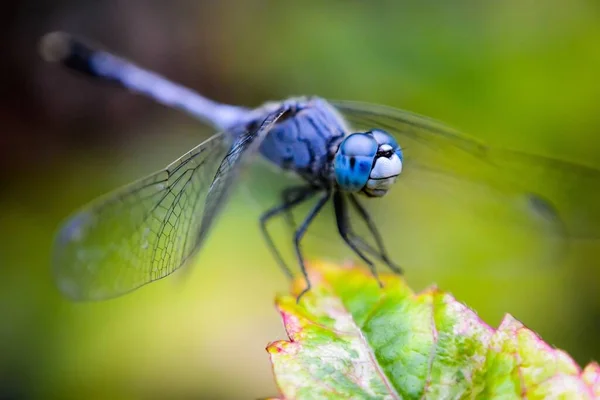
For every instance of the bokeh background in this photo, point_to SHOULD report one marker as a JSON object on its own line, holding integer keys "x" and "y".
{"x": 519, "y": 74}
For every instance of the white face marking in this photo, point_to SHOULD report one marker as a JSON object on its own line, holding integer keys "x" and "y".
{"x": 385, "y": 147}
{"x": 386, "y": 167}
{"x": 383, "y": 175}
{"x": 379, "y": 187}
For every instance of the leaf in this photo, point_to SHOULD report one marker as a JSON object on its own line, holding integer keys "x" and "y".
{"x": 348, "y": 338}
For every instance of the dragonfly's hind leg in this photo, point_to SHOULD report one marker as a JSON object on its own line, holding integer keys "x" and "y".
{"x": 382, "y": 253}
{"x": 345, "y": 230}
{"x": 296, "y": 196}
{"x": 300, "y": 233}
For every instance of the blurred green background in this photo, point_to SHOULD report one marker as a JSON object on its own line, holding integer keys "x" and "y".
{"x": 519, "y": 74}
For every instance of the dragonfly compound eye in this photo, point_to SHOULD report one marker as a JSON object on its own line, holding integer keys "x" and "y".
{"x": 354, "y": 160}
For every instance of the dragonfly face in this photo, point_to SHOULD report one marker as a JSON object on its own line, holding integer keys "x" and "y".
{"x": 368, "y": 162}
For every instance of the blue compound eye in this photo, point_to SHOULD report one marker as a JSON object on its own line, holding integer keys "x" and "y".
{"x": 384, "y": 138}
{"x": 354, "y": 160}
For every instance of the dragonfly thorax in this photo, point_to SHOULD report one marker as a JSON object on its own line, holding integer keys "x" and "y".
{"x": 305, "y": 139}
{"x": 368, "y": 162}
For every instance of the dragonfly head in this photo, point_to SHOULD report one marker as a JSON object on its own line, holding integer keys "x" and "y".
{"x": 369, "y": 162}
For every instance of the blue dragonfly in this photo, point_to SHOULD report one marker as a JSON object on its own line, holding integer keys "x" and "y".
{"x": 344, "y": 152}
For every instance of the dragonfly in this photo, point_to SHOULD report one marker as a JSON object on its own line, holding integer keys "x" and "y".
{"x": 343, "y": 152}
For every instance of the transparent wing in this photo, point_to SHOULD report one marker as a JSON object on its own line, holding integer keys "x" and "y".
{"x": 439, "y": 159}
{"x": 148, "y": 229}
{"x": 237, "y": 159}
{"x": 139, "y": 233}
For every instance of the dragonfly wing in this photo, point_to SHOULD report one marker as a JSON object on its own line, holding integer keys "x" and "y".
{"x": 139, "y": 233}
{"x": 150, "y": 228}
{"x": 237, "y": 159}
{"x": 557, "y": 190}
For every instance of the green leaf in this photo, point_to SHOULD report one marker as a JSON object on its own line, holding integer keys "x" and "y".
{"x": 348, "y": 338}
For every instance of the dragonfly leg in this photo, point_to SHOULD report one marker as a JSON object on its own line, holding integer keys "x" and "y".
{"x": 290, "y": 202}
{"x": 373, "y": 229}
{"x": 300, "y": 233}
{"x": 363, "y": 245}
{"x": 345, "y": 230}
{"x": 287, "y": 195}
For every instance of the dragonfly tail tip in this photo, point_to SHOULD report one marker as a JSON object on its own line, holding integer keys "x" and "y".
{"x": 55, "y": 46}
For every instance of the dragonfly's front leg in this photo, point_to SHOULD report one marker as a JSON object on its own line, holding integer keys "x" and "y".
{"x": 345, "y": 230}
{"x": 382, "y": 253}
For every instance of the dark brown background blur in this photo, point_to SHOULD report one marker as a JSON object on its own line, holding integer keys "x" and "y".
{"x": 519, "y": 74}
